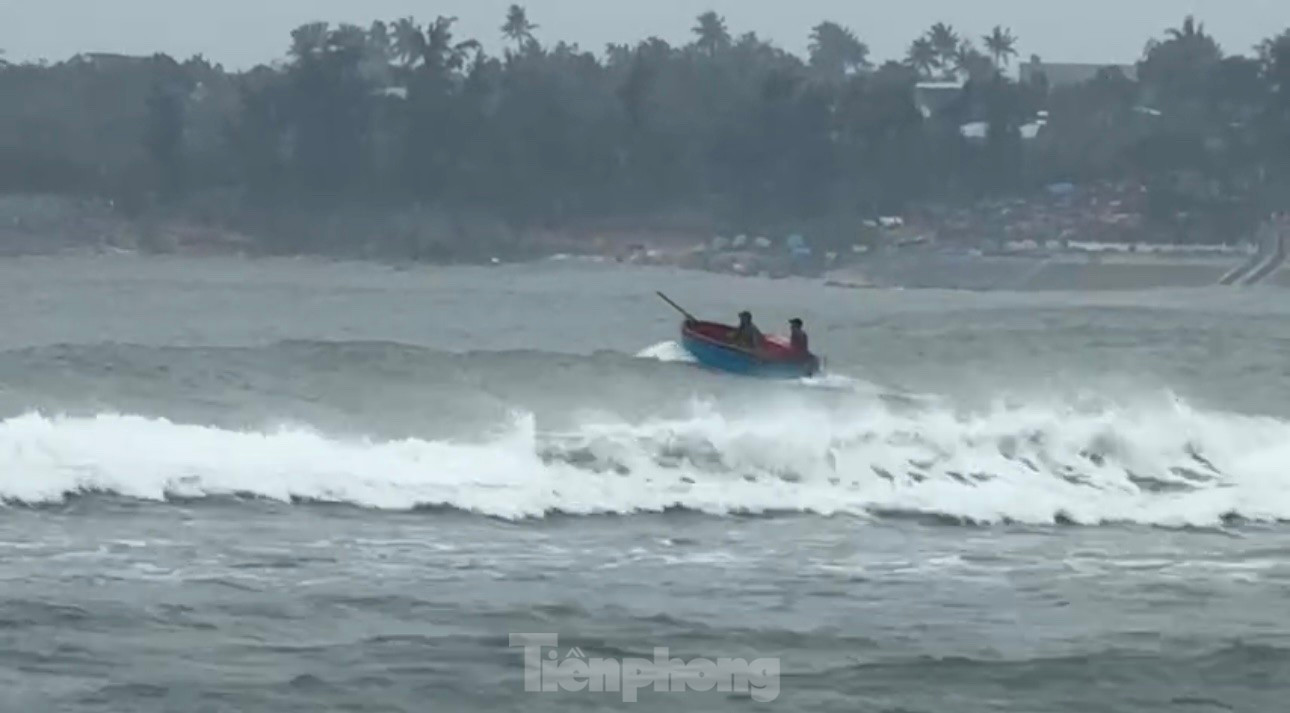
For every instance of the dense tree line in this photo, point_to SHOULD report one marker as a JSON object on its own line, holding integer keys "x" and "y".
{"x": 727, "y": 131}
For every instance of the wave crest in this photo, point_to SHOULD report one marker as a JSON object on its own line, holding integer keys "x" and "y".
{"x": 1153, "y": 464}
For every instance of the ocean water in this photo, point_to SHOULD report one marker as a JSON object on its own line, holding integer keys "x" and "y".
{"x": 294, "y": 485}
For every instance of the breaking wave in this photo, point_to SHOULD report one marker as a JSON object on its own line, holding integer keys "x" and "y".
{"x": 1159, "y": 464}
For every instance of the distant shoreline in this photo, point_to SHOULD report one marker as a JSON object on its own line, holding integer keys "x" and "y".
{"x": 51, "y": 225}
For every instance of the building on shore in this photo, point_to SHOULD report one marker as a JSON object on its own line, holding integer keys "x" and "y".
{"x": 933, "y": 97}
{"x": 109, "y": 61}
{"x": 1064, "y": 74}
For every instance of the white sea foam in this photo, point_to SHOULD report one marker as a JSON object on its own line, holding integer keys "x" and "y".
{"x": 666, "y": 351}
{"x": 673, "y": 351}
{"x": 1163, "y": 464}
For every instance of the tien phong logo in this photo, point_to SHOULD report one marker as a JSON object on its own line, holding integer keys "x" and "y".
{"x": 548, "y": 669}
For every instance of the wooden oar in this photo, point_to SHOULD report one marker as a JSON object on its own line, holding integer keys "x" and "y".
{"x": 676, "y": 307}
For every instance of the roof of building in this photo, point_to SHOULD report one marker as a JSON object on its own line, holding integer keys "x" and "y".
{"x": 1066, "y": 73}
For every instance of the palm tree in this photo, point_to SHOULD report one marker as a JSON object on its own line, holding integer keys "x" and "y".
{"x": 970, "y": 62}
{"x": 378, "y": 51}
{"x": 518, "y": 29}
{"x": 1266, "y": 49}
{"x": 1002, "y": 45}
{"x": 308, "y": 41}
{"x": 1173, "y": 70}
{"x": 836, "y": 51}
{"x": 946, "y": 43}
{"x": 922, "y": 56}
{"x": 1190, "y": 30}
{"x": 379, "y": 40}
{"x": 432, "y": 48}
{"x": 712, "y": 33}
{"x": 1193, "y": 41}
{"x": 439, "y": 52}
{"x": 409, "y": 43}
{"x": 350, "y": 40}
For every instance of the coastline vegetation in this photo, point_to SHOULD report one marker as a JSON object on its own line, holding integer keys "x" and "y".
{"x": 404, "y": 136}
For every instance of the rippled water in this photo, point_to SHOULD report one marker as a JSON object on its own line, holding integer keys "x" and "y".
{"x": 291, "y": 485}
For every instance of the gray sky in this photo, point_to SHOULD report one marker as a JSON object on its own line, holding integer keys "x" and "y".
{"x": 240, "y": 33}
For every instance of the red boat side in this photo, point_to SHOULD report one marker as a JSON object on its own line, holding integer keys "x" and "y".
{"x": 774, "y": 347}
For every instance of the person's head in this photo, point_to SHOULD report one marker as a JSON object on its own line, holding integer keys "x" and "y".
{"x": 796, "y": 324}
{"x": 745, "y": 317}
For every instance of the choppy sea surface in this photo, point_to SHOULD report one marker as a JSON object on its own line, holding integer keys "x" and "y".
{"x": 294, "y": 485}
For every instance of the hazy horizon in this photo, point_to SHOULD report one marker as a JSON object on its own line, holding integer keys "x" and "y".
{"x": 240, "y": 34}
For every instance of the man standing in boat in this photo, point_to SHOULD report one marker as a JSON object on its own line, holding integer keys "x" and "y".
{"x": 747, "y": 335}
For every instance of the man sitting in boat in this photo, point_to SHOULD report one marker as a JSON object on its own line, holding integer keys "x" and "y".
{"x": 746, "y": 335}
{"x": 798, "y": 340}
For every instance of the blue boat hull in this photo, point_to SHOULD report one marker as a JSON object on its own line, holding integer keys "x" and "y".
{"x": 736, "y": 361}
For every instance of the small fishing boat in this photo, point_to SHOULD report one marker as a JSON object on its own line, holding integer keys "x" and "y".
{"x": 711, "y": 344}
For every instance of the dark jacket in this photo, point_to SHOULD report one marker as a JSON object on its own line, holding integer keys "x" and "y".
{"x": 800, "y": 342}
{"x": 747, "y": 336}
